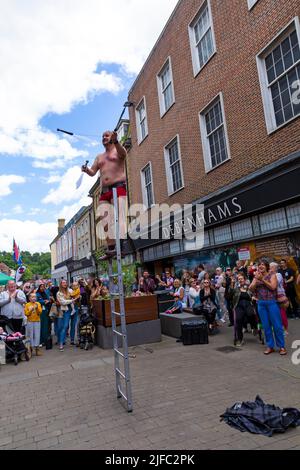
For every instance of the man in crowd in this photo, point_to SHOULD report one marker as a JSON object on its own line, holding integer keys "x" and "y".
{"x": 288, "y": 275}
{"x": 219, "y": 281}
{"x": 149, "y": 284}
{"x": 12, "y": 303}
{"x": 201, "y": 272}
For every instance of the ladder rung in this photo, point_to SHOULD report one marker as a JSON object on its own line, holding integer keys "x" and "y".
{"x": 118, "y": 333}
{"x": 123, "y": 394}
{"x": 121, "y": 373}
{"x": 119, "y": 352}
{"x": 114, "y": 275}
{"x": 115, "y": 293}
{"x": 117, "y": 313}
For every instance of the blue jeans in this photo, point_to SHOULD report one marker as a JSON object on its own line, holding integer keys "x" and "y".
{"x": 62, "y": 327}
{"x": 269, "y": 314}
{"x": 74, "y": 323}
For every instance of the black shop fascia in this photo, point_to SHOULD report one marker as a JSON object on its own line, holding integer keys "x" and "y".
{"x": 271, "y": 187}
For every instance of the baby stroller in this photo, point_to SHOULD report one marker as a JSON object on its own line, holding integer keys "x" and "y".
{"x": 86, "y": 330}
{"x": 17, "y": 347}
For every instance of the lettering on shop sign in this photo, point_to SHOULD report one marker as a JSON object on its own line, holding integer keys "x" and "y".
{"x": 203, "y": 217}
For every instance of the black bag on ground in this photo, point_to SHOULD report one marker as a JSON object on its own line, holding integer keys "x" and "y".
{"x": 49, "y": 343}
{"x": 194, "y": 332}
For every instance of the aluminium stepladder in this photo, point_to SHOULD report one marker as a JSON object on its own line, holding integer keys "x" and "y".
{"x": 122, "y": 376}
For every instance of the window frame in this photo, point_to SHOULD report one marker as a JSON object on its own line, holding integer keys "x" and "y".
{"x": 162, "y": 107}
{"x": 269, "y": 113}
{"x": 194, "y": 51}
{"x": 170, "y": 184}
{"x": 143, "y": 185}
{"x": 204, "y": 138}
{"x": 138, "y": 122}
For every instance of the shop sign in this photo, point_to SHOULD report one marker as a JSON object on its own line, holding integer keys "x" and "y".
{"x": 244, "y": 254}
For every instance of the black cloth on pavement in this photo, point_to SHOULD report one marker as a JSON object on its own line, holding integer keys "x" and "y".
{"x": 260, "y": 418}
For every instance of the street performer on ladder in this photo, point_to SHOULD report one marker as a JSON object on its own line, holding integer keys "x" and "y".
{"x": 111, "y": 165}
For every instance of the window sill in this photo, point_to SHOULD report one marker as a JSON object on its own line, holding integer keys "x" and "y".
{"x": 217, "y": 166}
{"x": 177, "y": 191}
{"x": 203, "y": 66}
{"x": 270, "y": 132}
{"x": 166, "y": 112}
{"x": 141, "y": 141}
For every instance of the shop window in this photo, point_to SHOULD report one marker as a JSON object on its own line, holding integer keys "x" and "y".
{"x": 159, "y": 251}
{"x": 222, "y": 234}
{"x": 166, "y": 249}
{"x": 146, "y": 255}
{"x": 293, "y": 215}
{"x": 206, "y": 239}
{"x": 151, "y": 253}
{"x": 242, "y": 229}
{"x": 273, "y": 221}
{"x": 175, "y": 247}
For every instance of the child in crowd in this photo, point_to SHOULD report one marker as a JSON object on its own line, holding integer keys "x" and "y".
{"x": 33, "y": 311}
{"x": 75, "y": 294}
{"x": 177, "y": 306}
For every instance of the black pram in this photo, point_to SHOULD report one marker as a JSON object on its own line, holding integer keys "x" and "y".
{"x": 16, "y": 345}
{"x": 86, "y": 329}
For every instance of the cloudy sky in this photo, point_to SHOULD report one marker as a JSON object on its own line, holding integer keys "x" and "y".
{"x": 63, "y": 64}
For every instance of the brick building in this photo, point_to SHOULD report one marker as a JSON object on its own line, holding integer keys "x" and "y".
{"x": 216, "y": 121}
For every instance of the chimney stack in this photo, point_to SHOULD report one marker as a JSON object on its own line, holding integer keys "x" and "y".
{"x": 61, "y": 225}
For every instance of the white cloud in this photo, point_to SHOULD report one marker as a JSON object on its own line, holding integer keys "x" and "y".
{"x": 52, "y": 57}
{"x": 51, "y": 178}
{"x": 18, "y": 209}
{"x": 66, "y": 191}
{"x": 6, "y": 181}
{"x": 30, "y": 235}
{"x": 67, "y": 212}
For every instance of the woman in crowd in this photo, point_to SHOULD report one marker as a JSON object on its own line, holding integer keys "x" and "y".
{"x": 43, "y": 297}
{"x": 265, "y": 286}
{"x": 243, "y": 309}
{"x": 208, "y": 303}
{"x": 27, "y": 289}
{"x": 141, "y": 286}
{"x": 185, "y": 281}
{"x": 194, "y": 293}
{"x": 104, "y": 293}
{"x": 160, "y": 284}
{"x": 179, "y": 292}
{"x": 75, "y": 295}
{"x": 65, "y": 301}
{"x": 95, "y": 290}
{"x": 282, "y": 299}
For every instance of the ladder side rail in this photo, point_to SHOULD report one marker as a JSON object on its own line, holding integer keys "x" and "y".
{"x": 122, "y": 300}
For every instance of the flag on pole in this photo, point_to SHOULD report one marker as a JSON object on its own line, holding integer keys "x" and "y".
{"x": 16, "y": 253}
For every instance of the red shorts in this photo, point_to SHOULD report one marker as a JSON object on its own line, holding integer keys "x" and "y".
{"x": 108, "y": 196}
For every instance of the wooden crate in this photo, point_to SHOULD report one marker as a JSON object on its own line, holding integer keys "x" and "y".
{"x": 137, "y": 309}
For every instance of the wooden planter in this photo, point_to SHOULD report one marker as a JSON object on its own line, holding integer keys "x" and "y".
{"x": 137, "y": 309}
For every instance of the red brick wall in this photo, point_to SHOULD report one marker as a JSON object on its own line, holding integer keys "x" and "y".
{"x": 272, "y": 247}
{"x": 240, "y": 35}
